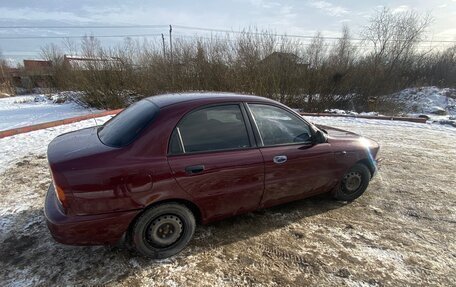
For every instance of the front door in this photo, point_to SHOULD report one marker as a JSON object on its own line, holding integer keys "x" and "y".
{"x": 213, "y": 157}
{"x": 295, "y": 166}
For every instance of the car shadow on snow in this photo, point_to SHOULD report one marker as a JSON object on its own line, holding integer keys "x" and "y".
{"x": 253, "y": 224}
{"x": 28, "y": 251}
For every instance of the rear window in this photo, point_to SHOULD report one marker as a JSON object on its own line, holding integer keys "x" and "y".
{"x": 122, "y": 129}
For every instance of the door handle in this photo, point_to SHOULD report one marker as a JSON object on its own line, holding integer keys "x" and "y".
{"x": 279, "y": 159}
{"x": 194, "y": 169}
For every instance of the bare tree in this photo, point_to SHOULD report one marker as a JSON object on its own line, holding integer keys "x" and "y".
{"x": 61, "y": 77}
{"x": 91, "y": 47}
{"x": 394, "y": 36}
{"x": 343, "y": 54}
{"x": 52, "y": 52}
{"x": 316, "y": 56}
{"x": 5, "y": 79}
{"x": 313, "y": 77}
{"x": 70, "y": 46}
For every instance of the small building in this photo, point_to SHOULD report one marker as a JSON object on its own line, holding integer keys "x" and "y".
{"x": 284, "y": 59}
{"x": 90, "y": 63}
{"x": 37, "y": 74}
{"x": 38, "y": 67}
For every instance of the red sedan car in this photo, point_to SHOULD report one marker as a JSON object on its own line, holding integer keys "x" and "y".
{"x": 152, "y": 172}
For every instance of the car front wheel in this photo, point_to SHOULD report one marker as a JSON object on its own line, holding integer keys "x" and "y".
{"x": 163, "y": 230}
{"x": 353, "y": 184}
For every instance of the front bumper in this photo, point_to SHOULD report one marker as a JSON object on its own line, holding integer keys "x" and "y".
{"x": 87, "y": 229}
{"x": 377, "y": 164}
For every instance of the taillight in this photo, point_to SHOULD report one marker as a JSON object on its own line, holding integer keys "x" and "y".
{"x": 59, "y": 192}
{"x": 60, "y": 195}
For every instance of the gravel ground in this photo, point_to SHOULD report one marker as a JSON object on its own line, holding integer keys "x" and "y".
{"x": 400, "y": 232}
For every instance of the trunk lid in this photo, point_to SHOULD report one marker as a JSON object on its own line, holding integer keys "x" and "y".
{"x": 73, "y": 145}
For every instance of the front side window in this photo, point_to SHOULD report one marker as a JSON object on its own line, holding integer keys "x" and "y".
{"x": 278, "y": 126}
{"x": 210, "y": 129}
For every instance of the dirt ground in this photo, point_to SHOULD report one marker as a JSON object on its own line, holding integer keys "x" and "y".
{"x": 401, "y": 232}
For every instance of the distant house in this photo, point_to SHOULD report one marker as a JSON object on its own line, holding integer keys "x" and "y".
{"x": 37, "y": 67}
{"x": 90, "y": 63}
{"x": 37, "y": 73}
{"x": 282, "y": 59}
{"x": 284, "y": 73}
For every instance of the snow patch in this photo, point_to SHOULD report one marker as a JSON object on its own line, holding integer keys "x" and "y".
{"x": 36, "y": 142}
{"x": 427, "y": 100}
{"x": 20, "y": 111}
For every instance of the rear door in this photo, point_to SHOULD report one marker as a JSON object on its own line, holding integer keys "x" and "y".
{"x": 295, "y": 167}
{"x": 213, "y": 156}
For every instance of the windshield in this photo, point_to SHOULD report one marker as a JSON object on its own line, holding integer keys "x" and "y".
{"x": 122, "y": 129}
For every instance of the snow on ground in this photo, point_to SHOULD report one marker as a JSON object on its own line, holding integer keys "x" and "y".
{"x": 392, "y": 125}
{"x": 36, "y": 142}
{"x": 427, "y": 100}
{"x": 33, "y": 109}
{"x": 437, "y": 104}
{"x": 350, "y": 113}
{"x": 399, "y": 233}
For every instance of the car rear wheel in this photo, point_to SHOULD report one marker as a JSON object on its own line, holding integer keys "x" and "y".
{"x": 353, "y": 184}
{"x": 163, "y": 230}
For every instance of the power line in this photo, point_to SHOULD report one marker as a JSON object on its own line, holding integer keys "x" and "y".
{"x": 192, "y": 28}
{"x": 253, "y": 33}
{"x": 294, "y": 36}
{"x": 85, "y": 27}
{"x": 65, "y": 37}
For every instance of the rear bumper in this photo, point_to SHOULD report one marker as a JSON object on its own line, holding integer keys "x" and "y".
{"x": 84, "y": 230}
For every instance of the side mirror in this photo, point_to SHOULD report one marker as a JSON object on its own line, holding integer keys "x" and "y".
{"x": 319, "y": 137}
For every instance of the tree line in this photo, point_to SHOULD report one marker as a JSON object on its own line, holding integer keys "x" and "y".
{"x": 315, "y": 76}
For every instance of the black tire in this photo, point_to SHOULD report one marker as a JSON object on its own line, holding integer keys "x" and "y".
{"x": 163, "y": 230}
{"x": 353, "y": 183}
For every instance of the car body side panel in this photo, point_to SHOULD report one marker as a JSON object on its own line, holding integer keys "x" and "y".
{"x": 308, "y": 170}
{"x": 125, "y": 185}
{"x": 85, "y": 230}
{"x": 232, "y": 181}
{"x": 347, "y": 152}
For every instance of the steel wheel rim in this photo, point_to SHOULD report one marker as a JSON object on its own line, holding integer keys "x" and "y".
{"x": 352, "y": 182}
{"x": 164, "y": 230}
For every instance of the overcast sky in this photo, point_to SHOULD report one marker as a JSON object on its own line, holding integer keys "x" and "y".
{"x": 302, "y": 17}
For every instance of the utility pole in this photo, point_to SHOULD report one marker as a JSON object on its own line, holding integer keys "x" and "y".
{"x": 171, "y": 42}
{"x": 171, "y": 54}
{"x": 163, "y": 43}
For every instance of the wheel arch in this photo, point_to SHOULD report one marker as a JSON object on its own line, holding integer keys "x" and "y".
{"x": 187, "y": 203}
{"x": 369, "y": 164}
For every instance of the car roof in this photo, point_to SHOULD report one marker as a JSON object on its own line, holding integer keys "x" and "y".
{"x": 170, "y": 99}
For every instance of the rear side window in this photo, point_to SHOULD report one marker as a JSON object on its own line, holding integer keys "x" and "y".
{"x": 210, "y": 129}
{"x": 122, "y": 129}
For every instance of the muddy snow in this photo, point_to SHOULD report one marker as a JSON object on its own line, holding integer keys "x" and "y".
{"x": 400, "y": 232}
